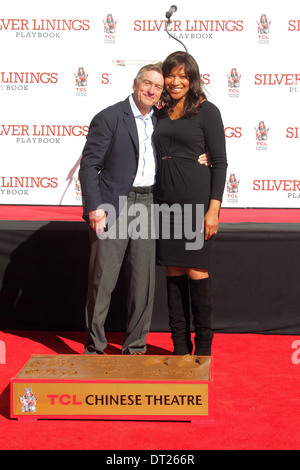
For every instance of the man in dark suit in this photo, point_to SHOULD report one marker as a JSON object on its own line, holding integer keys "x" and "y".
{"x": 117, "y": 175}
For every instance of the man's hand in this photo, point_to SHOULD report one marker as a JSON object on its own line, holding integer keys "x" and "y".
{"x": 204, "y": 159}
{"x": 97, "y": 220}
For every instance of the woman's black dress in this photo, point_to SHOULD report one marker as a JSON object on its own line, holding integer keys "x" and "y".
{"x": 184, "y": 186}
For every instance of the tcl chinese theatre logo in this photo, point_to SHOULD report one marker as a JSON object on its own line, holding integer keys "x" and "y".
{"x": 263, "y": 29}
{"x": 109, "y": 29}
{"x": 234, "y": 82}
{"x": 261, "y": 136}
{"x": 232, "y": 189}
{"x": 81, "y": 77}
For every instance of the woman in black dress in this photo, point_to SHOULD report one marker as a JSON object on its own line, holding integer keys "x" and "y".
{"x": 188, "y": 126}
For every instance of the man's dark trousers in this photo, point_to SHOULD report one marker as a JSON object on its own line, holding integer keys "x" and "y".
{"x": 121, "y": 243}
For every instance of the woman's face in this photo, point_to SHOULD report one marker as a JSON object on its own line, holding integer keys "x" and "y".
{"x": 177, "y": 83}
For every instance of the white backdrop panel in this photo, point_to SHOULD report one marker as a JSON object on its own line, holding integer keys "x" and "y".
{"x": 44, "y": 114}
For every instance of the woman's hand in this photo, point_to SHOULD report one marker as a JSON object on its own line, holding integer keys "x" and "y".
{"x": 204, "y": 159}
{"x": 211, "y": 219}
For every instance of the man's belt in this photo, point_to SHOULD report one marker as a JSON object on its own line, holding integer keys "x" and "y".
{"x": 142, "y": 189}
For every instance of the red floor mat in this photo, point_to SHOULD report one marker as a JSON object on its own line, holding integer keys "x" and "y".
{"x": 256, "y": 399}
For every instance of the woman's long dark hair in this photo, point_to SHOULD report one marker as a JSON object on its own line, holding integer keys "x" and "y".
{"x": 195, "y": 94}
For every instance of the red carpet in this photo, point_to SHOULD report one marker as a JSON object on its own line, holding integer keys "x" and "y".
{"x": 256, "y": 399}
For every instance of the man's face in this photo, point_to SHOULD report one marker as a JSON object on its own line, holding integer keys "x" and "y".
{"x": 147, "y": 91}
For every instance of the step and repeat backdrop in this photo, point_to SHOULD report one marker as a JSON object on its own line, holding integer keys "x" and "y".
{"x": 64, "y": 61}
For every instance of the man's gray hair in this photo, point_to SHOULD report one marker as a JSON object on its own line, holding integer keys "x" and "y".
{"x": 147, "y": 68}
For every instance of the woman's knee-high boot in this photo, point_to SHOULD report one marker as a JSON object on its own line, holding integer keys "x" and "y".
{"x": 201, "y": 306}
{"x": 179, "y": 314}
